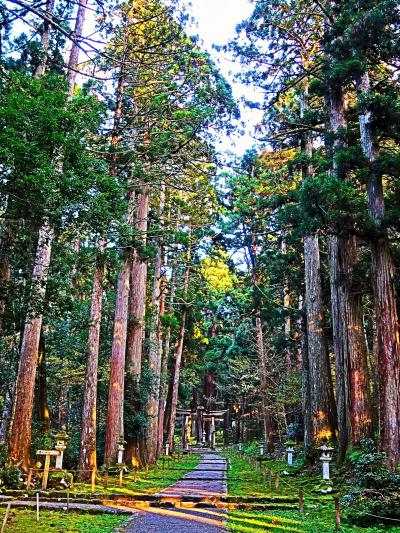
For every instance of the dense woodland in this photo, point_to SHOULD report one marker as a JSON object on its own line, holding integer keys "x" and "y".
{"x": 141, "y": 272}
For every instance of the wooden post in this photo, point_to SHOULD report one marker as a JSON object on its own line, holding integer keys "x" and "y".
{"x": 269, "y": 479}
{"x": 29, "y": 480}
{"x": 121, "y": 473}
{"x": 301, "y": 500}
{"x": 106, "y": 479}
{"x": 277, "y": 482}
{"x": 3, "y": 527}
{"x": 46, "y": 472}
{"x": 93, "y": 480}
{"x": 67, "y": 500}
{"x": 337, "y": 513}
{"x": 37, "y": 507}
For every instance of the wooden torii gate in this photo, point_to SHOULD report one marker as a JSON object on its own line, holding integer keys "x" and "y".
{"x": 199, "y": 416}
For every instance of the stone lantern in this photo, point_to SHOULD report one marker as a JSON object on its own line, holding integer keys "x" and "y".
{"x": 121, "y": 449}
{"x": 240, "y": 446}
{"x": 261, "y": 449}
{"x": 167, "y": 449}
{"x": 290, "y": 452}
{"x": 326, "y": 458}
{"x": 61, "y": 446}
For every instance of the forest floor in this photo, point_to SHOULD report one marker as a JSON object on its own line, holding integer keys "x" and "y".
{"x": 24, "y": 520}
{"x": 207, "y": 476}
{"x": 319, "y": 516}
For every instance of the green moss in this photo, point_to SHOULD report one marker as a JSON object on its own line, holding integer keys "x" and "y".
{"x": 320, "y": 520}
{"x": 23, "y": 520}
{"x": 319, "y": 517}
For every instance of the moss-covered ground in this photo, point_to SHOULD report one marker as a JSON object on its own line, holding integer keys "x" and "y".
{"x": 244, "y": 480}
{"x": 24, "y": 520}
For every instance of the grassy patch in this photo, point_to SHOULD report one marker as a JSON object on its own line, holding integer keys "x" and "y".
{"x": 157, "y": 477}
{"x": 24, "y": 520}
{"x": 319, "y": 520}
{"x": 244, "y": 481}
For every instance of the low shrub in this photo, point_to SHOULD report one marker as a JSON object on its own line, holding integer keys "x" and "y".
{"x": 375, "y": 497}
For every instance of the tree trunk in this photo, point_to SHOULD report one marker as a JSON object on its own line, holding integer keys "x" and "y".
{"x": 74, "y": 54}
{"x": 321, "y": 388}
{"x": 42, "y": 403}
{"x": 306, "y": 389}
{"x": 163, "y": 370}
{"x": 20, "y": 438}
{"x": 21, "y": 432}
{"x": 266, "y": 418}
{"x": 287, "y": 304}
{"x": 155, "y": 344}
{"x": 6, "y": 412}
{"x": 210, "y": 398}
{"x": 163, "y": 416}
{"x": 319, "y": 371}
{"x": 134, "y": 348}
{"x": 384, "y": 290}
{"x": 45, "y": 40}
{"x": 352, "y": 387}
{"x": 7, "y": 239}
{"x": 115, "y": 410}
{"x": 179, "y": 352}
{"x": 136, "y": 326}
{"x": 87, "y": 453}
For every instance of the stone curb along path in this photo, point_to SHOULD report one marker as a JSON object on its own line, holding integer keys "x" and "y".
{"x": 208, "y": 482}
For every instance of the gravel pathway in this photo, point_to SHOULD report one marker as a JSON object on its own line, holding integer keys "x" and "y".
{"x": 207, "y": 480}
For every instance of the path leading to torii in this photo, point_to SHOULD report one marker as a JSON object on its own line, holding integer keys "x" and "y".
{"x": 206, "y": 481}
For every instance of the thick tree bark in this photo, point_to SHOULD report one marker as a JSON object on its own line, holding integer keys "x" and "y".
{"x": 42, "y": 403}
{"x": 115, "y": 410}
{"x": 320, "y": 378}
{"x": 134, "y": 348}
{"x": 155, "y": 344}
{"x": 305, "y": 385}
{"x": 134, "y": 451}
{"x": 87, "y": 453}
{"x": 352, "y": 387}
{"x": 21, "y": 432}
{"x": 319, "y": 371}
{"x": 384, "y": 289}
{"x": 179, "y": 352}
